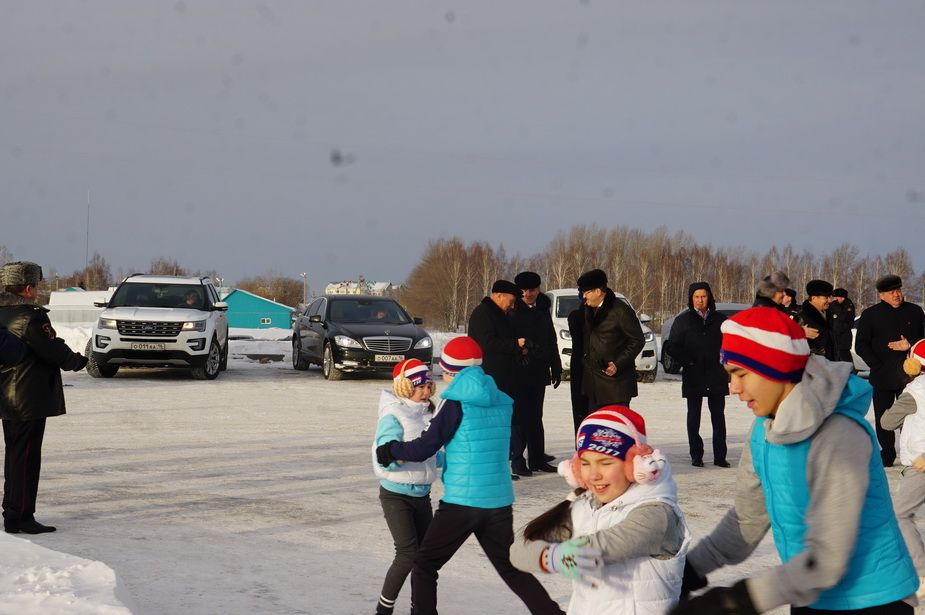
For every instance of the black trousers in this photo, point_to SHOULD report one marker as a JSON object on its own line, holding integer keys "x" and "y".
{"x": 22, "y": 465}
{"x": 579, "y": 401}
{"x": 894, "y": 608}
{"x": 494, "y": 529}
{"x": 527, "y": 426}
{"x": 408, "y": 518}
{"x": 717, "y": 406}
{"x": 883, "y": 401}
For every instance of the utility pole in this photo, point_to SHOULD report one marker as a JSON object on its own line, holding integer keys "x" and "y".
{"x": 304, "y": 288}
{"x": 87, "y": 253}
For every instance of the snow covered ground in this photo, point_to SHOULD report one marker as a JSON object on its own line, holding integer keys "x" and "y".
{"x": 253, "y": 493}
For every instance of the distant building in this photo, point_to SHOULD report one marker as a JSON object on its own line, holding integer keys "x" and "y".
{"x": 361, "y": 287}
{"x": 74, "y": 306}
{"x": 249, "y": 311}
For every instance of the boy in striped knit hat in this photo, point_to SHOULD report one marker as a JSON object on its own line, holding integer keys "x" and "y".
{"x": 473, "y": 424}
{"x": 811, "y": 472}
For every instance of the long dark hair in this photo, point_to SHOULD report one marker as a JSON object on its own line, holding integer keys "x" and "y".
{"x": 554, "y": 525}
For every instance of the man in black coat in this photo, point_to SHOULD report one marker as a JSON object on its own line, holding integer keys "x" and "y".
{"x": 576, "y": 328}
{"x": 814, "y": 319}
{"x": 841, "y": 320}
{"x": 491, "y": 327}
{"x": 694, "y": 342}
{"x": 540, "y": 368}
{"x": 30, "y": 391}
{"x": 886, "y": 331}
{"x": 611, "y": 339}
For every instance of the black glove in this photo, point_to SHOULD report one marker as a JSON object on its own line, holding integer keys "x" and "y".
{"x": 556, "y": 379}
{"x": 719, "y": 601}
{"x": 81, "y": 363}
{"x": 692, "y": 581}
{"x": 384, "y": 453}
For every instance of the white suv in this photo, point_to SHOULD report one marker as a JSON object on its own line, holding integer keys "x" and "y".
{"x": 564, "y": 300}
{"x": 161, "y": 321}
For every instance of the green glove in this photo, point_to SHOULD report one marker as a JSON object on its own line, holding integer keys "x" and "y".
{"x": 573, "y": 558}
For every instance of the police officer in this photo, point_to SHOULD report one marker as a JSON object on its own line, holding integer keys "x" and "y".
{"x": 30, "y": 391}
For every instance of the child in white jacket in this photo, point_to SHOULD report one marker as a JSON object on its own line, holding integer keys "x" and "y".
{"x": 620, "y": 536}
{"x": 404, "y": 487}
{"x": 908, "y": 412}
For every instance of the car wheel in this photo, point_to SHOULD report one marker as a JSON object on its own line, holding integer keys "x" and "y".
{"x": 224, "y": 363}
{"x": 95, "y": 369}
{"x": 327, "y": 365}
{"x": 647, "y": 377}
{"x": 299, "y": 362}
{"x": 210, "y": 369}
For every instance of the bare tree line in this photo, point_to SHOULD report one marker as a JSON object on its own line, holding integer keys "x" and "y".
{"x": 653, "y": 269}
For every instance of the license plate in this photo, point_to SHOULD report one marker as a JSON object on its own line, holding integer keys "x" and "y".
{"x": 148, "y": 346}
{"x": 388, "y": 358}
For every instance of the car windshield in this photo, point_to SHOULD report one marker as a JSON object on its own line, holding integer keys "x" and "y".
{"x": 367, "y": 310}
{"x": 566, "y": 304}
{"x": 147, "y": 294}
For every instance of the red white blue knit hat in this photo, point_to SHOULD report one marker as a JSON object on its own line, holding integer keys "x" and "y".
{"x": 414, "y": 370}
{"x": 766, "y": 341}
{"x": 460, "y": 353}
{"x": 610, "y": 430}
{"x": 918, "y": 351}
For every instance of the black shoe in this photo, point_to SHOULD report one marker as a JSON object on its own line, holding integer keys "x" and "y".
{"x": 520, "y": 469}
{"x": 28, "y": 527}
{"x": 545, "y": 467}
{"x": 548, "y": 458}
{"x": 514, "y": 477}
{"x": 722, "y": 464}
{"x": 697, "y": 463}
{"x": 888, "y": 463}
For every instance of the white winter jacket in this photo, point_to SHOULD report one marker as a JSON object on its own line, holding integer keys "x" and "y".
{"x": 414, "y": 418}
{"x": 912, "y": 436}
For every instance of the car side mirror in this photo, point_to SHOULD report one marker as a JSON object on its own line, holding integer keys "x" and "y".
{"x": 644, "y": 318}
{"x": 101, "y": 304}
{"x": 418, "y": 320}
{"x": 220, "y": 305}
{"x": 315, "y": 318}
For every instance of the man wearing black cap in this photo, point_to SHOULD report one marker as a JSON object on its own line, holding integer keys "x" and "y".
{"x": 612, "y": 337}
{"x": 540, "y": 368}
{"x": 30, "y": 391}
{"x": 841, "y": 320}
{"x": 886, "y": 331}
{"x": 814, "y": 321}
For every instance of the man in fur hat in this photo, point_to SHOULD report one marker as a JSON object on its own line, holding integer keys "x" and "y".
{"x": 886, "y": 331}
{"x": 30, "y": 391}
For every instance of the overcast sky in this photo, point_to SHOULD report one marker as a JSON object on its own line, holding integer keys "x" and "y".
{"x": 205, "y": 130}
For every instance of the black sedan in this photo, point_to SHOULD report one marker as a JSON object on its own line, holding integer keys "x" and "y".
{"x": 357, "y": 333}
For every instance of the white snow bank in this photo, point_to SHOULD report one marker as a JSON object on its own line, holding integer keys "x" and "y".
{"x": 34, "y": 579}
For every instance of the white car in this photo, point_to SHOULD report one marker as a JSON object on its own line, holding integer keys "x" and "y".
{"x": 564, "y": 300}
{"x": 161, "y": 321}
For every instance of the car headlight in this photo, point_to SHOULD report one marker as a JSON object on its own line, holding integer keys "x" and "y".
{"x": 195, "y": 325}
{"x": 346, "y": 342}
{"x": 107, "y": 323}
{"x": 565, "y": 334}
{"x": 424, "y": 342}
{"x": 649, "y": 337}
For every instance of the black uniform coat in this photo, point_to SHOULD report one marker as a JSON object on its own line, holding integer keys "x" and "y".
{"x": 542, "y": 363}
{"x": 32, "y": 388}
{"x": 493, "y": 331}
{"x": 880, "y": 324}
{"x": 841, "y": 320}
{"x": 694, "y": 342}
{"x": 611, "y": 333}
{"x": 11, "y": 348}
{"x": 824, "y": 345}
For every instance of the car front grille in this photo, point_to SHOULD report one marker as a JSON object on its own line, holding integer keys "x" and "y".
{"x": 387, "y": 344}
{"x": 149, "y": 329}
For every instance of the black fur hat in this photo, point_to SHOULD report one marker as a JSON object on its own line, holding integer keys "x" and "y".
{"x": 889, "y": 282}
{"x": 592, "y": 279}
{"x": 819, "y": 288}
{"x": 527, "y": 280}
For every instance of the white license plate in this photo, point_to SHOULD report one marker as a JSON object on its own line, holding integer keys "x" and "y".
{"x": 388, "y": 358}
{"x": 148, "y": 346}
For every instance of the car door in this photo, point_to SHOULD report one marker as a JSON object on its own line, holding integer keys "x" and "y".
{"x": 313, "y": 333}
{"x": 221, "y": 317}
{"x": 300, "y": 325}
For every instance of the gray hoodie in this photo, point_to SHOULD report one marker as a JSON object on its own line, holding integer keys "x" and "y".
{"x": 837, "y": 474}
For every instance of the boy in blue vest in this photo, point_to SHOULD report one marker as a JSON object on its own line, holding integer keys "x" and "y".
{"x": 811, "y": 472}
{"x": 473, "y": 424}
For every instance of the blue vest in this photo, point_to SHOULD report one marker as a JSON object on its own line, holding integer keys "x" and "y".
{"x": 477, "y": 471}
{"x": 880, "y": 570}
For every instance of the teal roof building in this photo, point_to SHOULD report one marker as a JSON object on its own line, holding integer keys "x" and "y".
{"x": 249, "y": 311}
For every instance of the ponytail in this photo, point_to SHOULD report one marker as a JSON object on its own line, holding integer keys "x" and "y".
{"x": 550, "y": 525}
